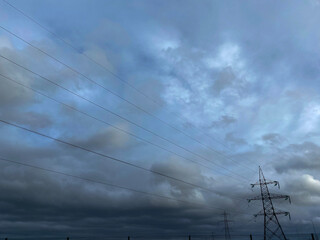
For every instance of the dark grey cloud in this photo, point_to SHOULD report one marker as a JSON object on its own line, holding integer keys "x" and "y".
{"x": 108, "y": 139}
{"x": 299, "y": 157}
{"x": 234, "y": 140}
{"x": 224, "y": 121}
{"x": 272, "y": 139}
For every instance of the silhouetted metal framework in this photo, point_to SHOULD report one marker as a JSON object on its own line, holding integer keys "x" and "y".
{"x": 226, "y": 226}
{"x": 272, "y": 227}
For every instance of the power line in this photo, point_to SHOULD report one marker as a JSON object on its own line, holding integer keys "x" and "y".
{"x": 118, "y": 115}
{"x": 107, "y": 69}
{"x": 97, "y": 119}
{"x": 104, "y": 122}
{"x": 105, "y": 183}
{"x": 106, "y": 156}
{"x": 117, "y": 95}
{"x": 115, "y": 127}
{"x": 114, "y": 185}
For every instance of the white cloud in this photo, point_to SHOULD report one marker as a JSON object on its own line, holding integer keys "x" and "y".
{"x": 229, "y": 54}
{"x": 176, "y": 93}
{"x": 310, "y": 118}
{"x": 309, "y": 183}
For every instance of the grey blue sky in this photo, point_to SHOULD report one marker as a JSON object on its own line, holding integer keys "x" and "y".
{"x": 217, "y": 87}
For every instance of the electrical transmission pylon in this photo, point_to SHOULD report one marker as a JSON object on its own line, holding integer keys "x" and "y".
{"x": 226, "y": 226}
{"x": 272, "y": 227}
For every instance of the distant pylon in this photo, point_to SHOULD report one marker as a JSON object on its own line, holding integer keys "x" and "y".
{"x": 226, "y": 226}
{"x": 272, "y": 227}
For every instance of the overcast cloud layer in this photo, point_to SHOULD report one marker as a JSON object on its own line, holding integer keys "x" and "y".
{"x": 235, "y": 83}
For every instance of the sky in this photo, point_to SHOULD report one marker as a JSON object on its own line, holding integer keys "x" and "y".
{"x": 174, "y": 103}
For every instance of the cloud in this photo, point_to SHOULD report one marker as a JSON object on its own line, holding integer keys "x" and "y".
{"x": 224, "y": 121}
{"x": 5, "y": 42}
{"x": 228, "y": 55}
{"x": 231, "y": 138}
{"x": 304, "y": 190}
{"x": 12, "y": 95}
{"x": 215, "y": 65}
{"x": 272, "y": 139}
{"x": 33, "y": 120}
{"x": 297, "y": 157}
{"x": 108, "y": 139}
{"x": 225, "y": 80}
{"x": 181, "y": 170}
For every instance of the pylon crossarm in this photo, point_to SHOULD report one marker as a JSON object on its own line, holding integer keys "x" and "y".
{"x": 254, "y": 198}
{"x": 275, "y": 183}
{"x": 280, "y": 196}
{"x": 283, "y": 213}
{"x": 261, "y": 213}
{"x": 272, "y": 196}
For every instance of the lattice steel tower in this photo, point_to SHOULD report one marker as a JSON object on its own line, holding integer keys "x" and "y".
{"x": 226, "y": 226}
{"x": 272, "y": 227}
